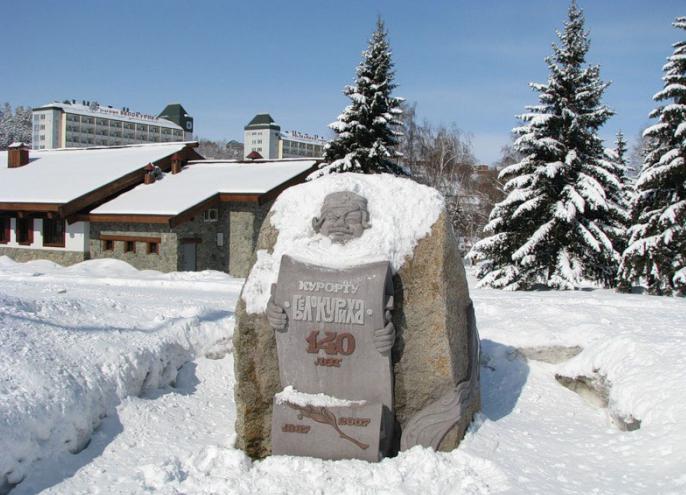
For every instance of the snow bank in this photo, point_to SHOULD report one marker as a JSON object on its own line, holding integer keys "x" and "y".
{"x": 182, "y": 443}
{"x": 401, "y": 213}
{"x": 532, "y": 436}
{"x": 73, "y": 345}
{"x": 641, "y": 376}
{"x": 111, "y": 272}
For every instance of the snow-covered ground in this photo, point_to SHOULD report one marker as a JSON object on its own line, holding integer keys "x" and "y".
{"x": 96, "y": 348}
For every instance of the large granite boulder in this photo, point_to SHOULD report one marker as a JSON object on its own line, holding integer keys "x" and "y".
{"x": 435, "y": 355}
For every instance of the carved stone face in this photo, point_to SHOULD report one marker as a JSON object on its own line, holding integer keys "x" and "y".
{"x": 344, "y": 216}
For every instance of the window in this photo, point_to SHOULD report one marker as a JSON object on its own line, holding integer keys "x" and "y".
{"x": 4, "y": 230}
{"x": 210, "y": 215}
{"x": 108, "y": 245}
{"x": 129, "y": 246}
{"x": 53, "y": 232}
{"x": 25, "y": 231}
{"x": 153, "y": 248}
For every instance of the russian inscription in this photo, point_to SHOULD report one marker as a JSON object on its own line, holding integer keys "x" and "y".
{"x": 339, "y": 322}
{"x": 328, "y": 309}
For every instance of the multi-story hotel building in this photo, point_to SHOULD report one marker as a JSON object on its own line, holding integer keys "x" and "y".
{"x": 72, "y": 124}
{"x": 263, "y": 135}
{"x": 298, "y": 144}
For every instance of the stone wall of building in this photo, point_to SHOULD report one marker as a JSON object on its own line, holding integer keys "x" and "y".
{"x": 227, "y": 244}
{"x": 62, "y": 257}
{"x": 245, "y": 221}
{"x": 165, "y": 261}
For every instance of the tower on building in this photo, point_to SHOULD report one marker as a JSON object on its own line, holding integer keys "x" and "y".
{"x": 262, "y": 135}
{"x": 174, "y": 112}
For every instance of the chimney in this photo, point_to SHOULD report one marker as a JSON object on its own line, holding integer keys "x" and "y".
{"x": 149, "y": 177}
{"x": 176, "y": 163}
{"x": 17, "y": 155}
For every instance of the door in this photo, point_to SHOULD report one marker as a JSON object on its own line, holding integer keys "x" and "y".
{"x": 188, "y": 252}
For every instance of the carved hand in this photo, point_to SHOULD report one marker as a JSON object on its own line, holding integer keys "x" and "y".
{"x": 276, "y": 315}
{"x": 385, "y": 337}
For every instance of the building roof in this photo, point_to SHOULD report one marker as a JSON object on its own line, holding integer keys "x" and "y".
{"x": 108, "y": 112}
{"x": 262, "y": 121}
{"x": 174, "y": 112}
{"x": 60, "y": 176}
{"x": 201, "y": 181}
{"x": 254, "y": 155}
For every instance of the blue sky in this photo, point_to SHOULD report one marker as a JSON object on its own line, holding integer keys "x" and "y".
{"x": 463, "y": 62}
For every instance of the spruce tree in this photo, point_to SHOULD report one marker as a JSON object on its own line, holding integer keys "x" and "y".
{"x": 368, "y": 130}
{"x": 622, "y": 195}
{"x": 656, "y": 255}
{"x": 556, "y": 224}
{"x": 619, "y": 156}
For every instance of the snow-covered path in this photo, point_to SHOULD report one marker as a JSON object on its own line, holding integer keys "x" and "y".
{"x": 533, "y": 435}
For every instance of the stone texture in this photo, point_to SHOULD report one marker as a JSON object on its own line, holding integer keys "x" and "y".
{"x": 64, "y": 258}
{"x": 332, "y": 432}
{"x": 430, "y": 356}
{"x": 238, "y": 223}
{"x": 595, "y": 390}
{"x": 245, "y": 221}
{"x": 166, "y": 261}
{"x": 553, "y": 354}
{"x": 256, "y": 370}
{"x": 361, "y": 371}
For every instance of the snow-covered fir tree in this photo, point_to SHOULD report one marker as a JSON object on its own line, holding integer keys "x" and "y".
{"x": 616, "y": 160}
{"x": 368, "y": 130}
{"x": 619, "y": 155}
{"x": 15, "y": 126}
{"x": 656, "y": 255}
{"x": 556, "y": 224}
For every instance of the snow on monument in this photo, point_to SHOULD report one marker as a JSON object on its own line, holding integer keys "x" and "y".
{"x": 355, "y": 335}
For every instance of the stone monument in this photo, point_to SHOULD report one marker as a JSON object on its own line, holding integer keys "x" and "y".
{"x": 356, "y": 361}
{"x": 333, "y": 336}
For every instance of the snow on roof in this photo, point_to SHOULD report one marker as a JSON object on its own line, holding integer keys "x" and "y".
{"x": 108, "y": 112}
{"x": 62, "y": 175}
{"x": 175, "y": 193}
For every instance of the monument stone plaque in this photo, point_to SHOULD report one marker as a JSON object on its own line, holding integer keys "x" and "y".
{"x": 327, "y": 432}
{"x": 328, "y": 333}
{"x": 330, "y": 346}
